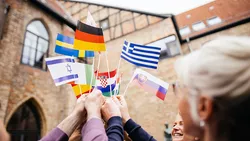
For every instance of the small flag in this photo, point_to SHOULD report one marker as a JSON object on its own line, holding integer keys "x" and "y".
{"x": 89, "y": 38}
{"x": 150, "y": 83}
{"x": 85, "y": 74}
{"x": 139, "y": 55}
{"x": 90, "y": 20}
{"x": 80, "y": 89}
{"x": 103, "y": 82}
{"x": 62, "y": 69}
{"x": 64, "y": 46}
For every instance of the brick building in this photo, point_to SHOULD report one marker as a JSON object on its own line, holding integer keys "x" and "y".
{"x": 22, "y": 85}
{"x": 30, "y": 104}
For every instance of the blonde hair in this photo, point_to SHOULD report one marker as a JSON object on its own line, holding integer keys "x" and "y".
{"x": 221, "y": 68}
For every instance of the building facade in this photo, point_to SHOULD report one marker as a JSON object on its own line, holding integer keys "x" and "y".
{"x": 28, "y": 95}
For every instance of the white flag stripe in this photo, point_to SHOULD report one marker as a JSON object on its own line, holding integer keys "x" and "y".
{"x": 140, "y": 57}
{"x": 151, "y": 77}
{"x": 139, "y": 62}
{"x": 81, "y": 73}
{"x": 90, "y": 20}
{"x": 59, "y": 57}
{"x": 128, "y": 47}
{"x": 110, "y": 81}
{"x": 66, "y": 81}
{"x": 61, "y": 69}
{"x": 148, "y": 54}
{"x": 147, "y": 49}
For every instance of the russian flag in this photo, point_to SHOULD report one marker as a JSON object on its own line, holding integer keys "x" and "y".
{"x": 150, "y": 83}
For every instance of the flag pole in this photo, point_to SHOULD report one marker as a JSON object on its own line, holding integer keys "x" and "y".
{"x": 98, "y": 66}
{"x": 108, "y": 72}
{"x": 124, "y": 94}
{"x": 77, "y": 84}
{"x": 93, "y": 64}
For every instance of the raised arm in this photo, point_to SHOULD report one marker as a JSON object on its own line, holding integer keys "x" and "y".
{"x": 135, "y": 131}
{"x": 69, "y": 124}
{"x": 112, "y": 116}
{"x": 94, "y": 130}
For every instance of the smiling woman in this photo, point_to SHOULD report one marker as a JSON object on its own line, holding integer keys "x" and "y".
{"x": 177, "y": 131}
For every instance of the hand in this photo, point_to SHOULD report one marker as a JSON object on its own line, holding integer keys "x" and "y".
{"x": 110, "y": 109}
{"x": 93, "y": 104}
{"x": 79, "y": 109}
{"x": 122, "y": 104}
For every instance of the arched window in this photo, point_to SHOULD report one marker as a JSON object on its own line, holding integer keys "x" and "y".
{"x": 36, "y": 44}
{"x": 25, "y": 123}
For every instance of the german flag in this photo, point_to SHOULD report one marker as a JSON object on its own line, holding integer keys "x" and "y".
{"x": 89, "y": 38}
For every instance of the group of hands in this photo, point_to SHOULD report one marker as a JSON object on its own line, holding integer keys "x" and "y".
{"x": 95, "y": 105}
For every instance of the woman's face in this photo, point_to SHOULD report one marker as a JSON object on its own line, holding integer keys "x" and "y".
{"x": 177, "y": 131}
{"x": 191, "y": 129}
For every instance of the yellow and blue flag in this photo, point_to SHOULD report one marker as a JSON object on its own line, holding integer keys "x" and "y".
{"x": 64, "y": 45}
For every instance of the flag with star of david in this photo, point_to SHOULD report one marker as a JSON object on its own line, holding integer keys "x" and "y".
{"x": 62, "y": 69}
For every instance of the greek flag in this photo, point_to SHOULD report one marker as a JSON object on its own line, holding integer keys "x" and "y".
{"x": 140, "y": 55}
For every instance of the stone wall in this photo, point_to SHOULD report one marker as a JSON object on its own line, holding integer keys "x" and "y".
{"x": 19, "y": 82}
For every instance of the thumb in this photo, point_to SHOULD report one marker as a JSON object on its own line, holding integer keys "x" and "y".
{"x": 117, "y": 102}
{"x": 122, "y": 100}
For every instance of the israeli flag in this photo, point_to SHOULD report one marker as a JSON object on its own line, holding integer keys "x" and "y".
{"x": 140, "y": 55}
{"x": 62, "y": 69}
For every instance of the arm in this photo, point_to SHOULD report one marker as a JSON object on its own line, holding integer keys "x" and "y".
{"x": 115, "y": 129}
{"x": 55, "y": 135}
{"x": 94, "y": 130}
{"x": 69, "y": 124}
{"x": 136, "y": 133}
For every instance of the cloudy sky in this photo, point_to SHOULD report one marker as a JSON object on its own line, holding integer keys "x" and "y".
{"x": 154, "y": 6}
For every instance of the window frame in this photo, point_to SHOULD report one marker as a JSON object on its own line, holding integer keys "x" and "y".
{"x": 183, "y": 28}
{"x": 167, "y": 50}
{"x": 36, "y": 49}
{"x": 106, "y": 19}
{"x": 199, "y": 29}
{"x": 211, "y": 19}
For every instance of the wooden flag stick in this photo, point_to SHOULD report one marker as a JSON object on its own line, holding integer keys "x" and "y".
{"x": 98, "y": 66}
{"x": 106, "y": 56}
{"x": 124, "y": 94}
{"x": 93, "y": 71}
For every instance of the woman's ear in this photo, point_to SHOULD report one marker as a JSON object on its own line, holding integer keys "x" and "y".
{"x": 205, "y": 107}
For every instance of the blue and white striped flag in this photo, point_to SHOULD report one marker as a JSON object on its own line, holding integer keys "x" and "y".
{"x": 140, "y": 55}
{"x": 62, "y": 69}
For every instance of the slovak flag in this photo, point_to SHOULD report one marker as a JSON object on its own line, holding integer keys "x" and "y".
{"x": 150, "y": 83}
{"x": 62, "y": 69}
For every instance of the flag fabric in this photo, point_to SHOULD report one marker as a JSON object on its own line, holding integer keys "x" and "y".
{"x": 79, "y": 89}
{"x": 89, "y": 38}
{"x": 85, "y": 74}
{"x": 103, "y": 82}
{"x": 62, "y": 69}
{"x": 90, "y": 20}
{"x": 140, "y": 55}
{"x": 150, "y": 83}
{"x": 64, "y": 46}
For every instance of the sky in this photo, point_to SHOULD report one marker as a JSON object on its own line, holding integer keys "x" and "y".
{"x": 154, "y": 6}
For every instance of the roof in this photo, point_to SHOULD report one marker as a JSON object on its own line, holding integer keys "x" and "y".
{"x": 228, "y": 13}
{"x": 125, "y": 9}
{"x": 55, "y": 9}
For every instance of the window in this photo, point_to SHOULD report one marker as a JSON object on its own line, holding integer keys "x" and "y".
{"x": 169, "y": 46}
{"x": 36, "y": 44}
{"x": 198, "y": 26}
{"x": 185, "y": 31}
{"x": 104, "y": 24}
{"x": 25, "y": 123}
{"x": 214, "y": 21}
